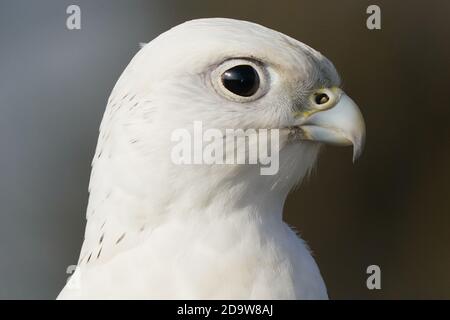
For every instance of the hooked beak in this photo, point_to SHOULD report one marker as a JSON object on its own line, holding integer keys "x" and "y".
{"x": 341, "y": 125}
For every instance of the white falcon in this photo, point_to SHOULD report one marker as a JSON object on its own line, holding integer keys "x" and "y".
{"x": 156, "y": 229}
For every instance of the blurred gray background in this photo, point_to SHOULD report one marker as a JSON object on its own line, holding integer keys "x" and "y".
{"x": 392, "y": 208}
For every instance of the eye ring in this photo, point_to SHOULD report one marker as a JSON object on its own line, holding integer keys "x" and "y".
{"x": 232, "y": 79}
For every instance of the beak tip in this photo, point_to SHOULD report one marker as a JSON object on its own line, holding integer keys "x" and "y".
{"x": 358, "y": 147}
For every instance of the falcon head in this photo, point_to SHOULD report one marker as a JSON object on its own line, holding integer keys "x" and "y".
{"x": 229, "y": 74}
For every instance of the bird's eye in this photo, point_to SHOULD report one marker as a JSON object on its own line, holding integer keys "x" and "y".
{"x": 321, "y": 98}
{"x": 242, "y": 80}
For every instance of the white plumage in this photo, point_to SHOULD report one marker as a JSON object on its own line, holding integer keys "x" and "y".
{"x": 160, "y": 230}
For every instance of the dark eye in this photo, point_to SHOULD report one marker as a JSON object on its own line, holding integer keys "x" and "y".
{"x": 242, "y": 80}
{"x": 321, "y": 98}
